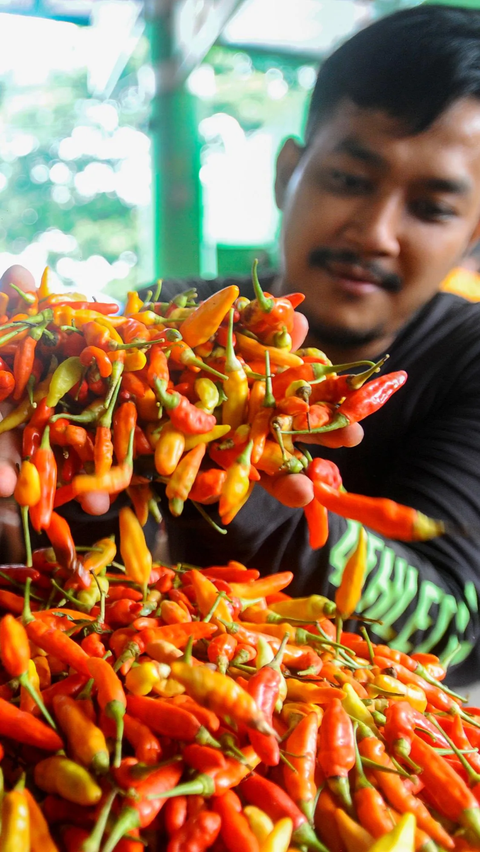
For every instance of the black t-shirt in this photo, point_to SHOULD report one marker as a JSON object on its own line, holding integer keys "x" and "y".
{"x": 422, "y": 449}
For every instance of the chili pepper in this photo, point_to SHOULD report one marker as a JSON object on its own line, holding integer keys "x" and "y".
{"x": 208, "y": 486}
{"x": 205, "y": 320}
{"x": 147, "y": 746}
{"x": 300, "y": 777}
{"x": 89, "y": 749}
{"x": 203, "y": 758}
{"x": 234, "y": 572}
{"x": 317, "y": 520}
{"x": 67, "y": 374}
{"x": 390, "y": 519}
{"x": 372, "y": 810}
{"x": 336, "y": 754}
{"x": 71, "y": 685}
{"x": 142, "y": 810}
{"x": 430, "y": 664}
{"x": 262, "y": 588}
{"x": 436, "y": 696}
{"x": 450, "y": 793}
{"x": 60, "y": 775}
{"x": 205, "y": 716}
{"x": 235, "y": 387}
{"x": 93, "y": 645}
{"x": 354, "y": 837}
{"x": 349, "y": 591}
{"x": 60, "y": 536}
{"x": 252, "y": 350}
{"x": 220, "y": 694}
{"x": 21, "y": 726}
{"x": 235, "y": 829}
{"x": 124, "y": 422}
{"x": 141, "y": 679}
{"x": 206, "y": 596}
{"x": 57, "y": 643}
{"x": 279, "y": 839}
{"x": 399, "y": 839}
{"x": 259, "y": 822}
{"x": 111, "y": 698}
{"x": 277, "y": 804}
{"x": 169, "y": 449}
{"x": 311, "y": 608}
{"x": 264, "y": 687}
{"x": 117, "y": 479}
{"x": 399, "y": 796}
{"x": 236, "y": 483}
{"x": 197, "y": 835}
{"x": 182, "y": 479}
{"x": 44, "y": 461}
{"x": 325, "y": 822}
{"x": 183, "y": 414}
{"x": 133, "y": 547}
{"x": 7, "y": 384}
{"x": 157, "y": 714}
{"x": 102, "y": 554}
{"x": 395, "y": 690}
{"x": 40, "y": 837}
{"x": 15, "y": 821}
{"x": 178, "y": 634}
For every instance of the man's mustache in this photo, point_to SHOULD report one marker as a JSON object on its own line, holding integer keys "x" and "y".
{"x": 323, "y": 257}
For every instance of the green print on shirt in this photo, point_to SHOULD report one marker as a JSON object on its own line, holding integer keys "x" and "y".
{"x": 391, "y": 590}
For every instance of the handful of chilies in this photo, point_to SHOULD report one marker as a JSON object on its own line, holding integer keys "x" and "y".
{"x": 187, "y": 709}
{"x": 210, "y": 395}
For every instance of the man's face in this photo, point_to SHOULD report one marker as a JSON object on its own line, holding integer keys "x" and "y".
{"x": 374, "y": 218}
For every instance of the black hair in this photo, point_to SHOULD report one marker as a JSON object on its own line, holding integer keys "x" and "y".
{"x": 412, "y": 65}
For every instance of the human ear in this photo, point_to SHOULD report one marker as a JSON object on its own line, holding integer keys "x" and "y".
{"x": 287, "y": 162}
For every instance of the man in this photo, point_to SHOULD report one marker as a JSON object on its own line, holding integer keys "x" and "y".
{"x": 378, "y": 205}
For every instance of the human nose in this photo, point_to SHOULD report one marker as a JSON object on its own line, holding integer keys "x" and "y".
{"x": 374, "y": 227}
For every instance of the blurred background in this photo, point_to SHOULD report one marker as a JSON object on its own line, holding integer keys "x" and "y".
{"x": 138, "y": 139}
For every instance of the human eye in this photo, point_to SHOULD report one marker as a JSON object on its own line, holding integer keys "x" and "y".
{"x": 430, "y": 210}
{"x": 346, "y": 182}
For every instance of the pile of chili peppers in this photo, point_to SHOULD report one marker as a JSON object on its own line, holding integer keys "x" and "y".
{"x": 203, "y": 398}
{"x": 188, "y": 709}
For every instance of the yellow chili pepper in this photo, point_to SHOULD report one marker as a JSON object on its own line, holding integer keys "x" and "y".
{"x": 399, "y": 839}
{"x": 40, "y": 837}
{"x": 135, "y": 360}
{"x": 310, "y": 609}
{"x": 141, "y": 679}
{"x": 23, "y": 411}
{"x": 204, "y": 321}
{"x": 220, "y": 694}
{"x": 279, "y": 839}
{"x": 44, "y": 289}
{"x": 15, "y": 823}
{"x": 259, "y": 822}
{"x": 68, "y": 779}
{"x": 182, "y": 479}
{"x": 133, "y": 547}
{"x": 235, "y": 387}
{"x": 349, "y": 591}
{"x": 214, "y": 434}
{"x": 67, "y": 374}
{"x": 86, "y": 742}
{"x": 27, "y": 489}
{"x": 394, "y": 690}
{"x": 89, "y": 597}
{"x": 206, "y": 595}
{"x": 356, "y": 709}
{"x": 237, "y": 482}
{"x": 169, "y": 449}
{"x": 133, "y": 304}
{"x": 311, "y": 692}
{"x": 207, "y": 393}
{"x": 95, "y": 561}
{"x": 252, "y": 350}
{"x": 353, "y": 835}
{"x": 229, "y": 516}
{"x": 295, "y": 710}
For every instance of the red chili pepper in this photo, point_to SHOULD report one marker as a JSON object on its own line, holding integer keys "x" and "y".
{"x": 32, "y": 433}
{"x": 93, "y": 355}
{"x": 336, "y": 754}
{"x": 147, "y": 746}
{"x": 44, "y": 461}
{"x": 59, "y": 645}
{"x": 7, "y": 384}
{"x": 300, "y": 779}
{"x": 183, "y": 414}
{"x": 235, "y": 829}
{"x": 264, "y": 688}
{"x": 25, "y": 728}
{"x": 272, "y": 799}
{"x": 316, "y": 516}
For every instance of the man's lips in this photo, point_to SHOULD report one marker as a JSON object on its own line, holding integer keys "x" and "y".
{"x": 355, "y": 274}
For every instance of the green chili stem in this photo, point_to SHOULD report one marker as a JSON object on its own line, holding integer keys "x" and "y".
{"x": 25, "y": 682}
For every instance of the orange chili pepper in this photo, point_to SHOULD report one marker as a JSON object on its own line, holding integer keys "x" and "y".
{"x": 111, "y": 698}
